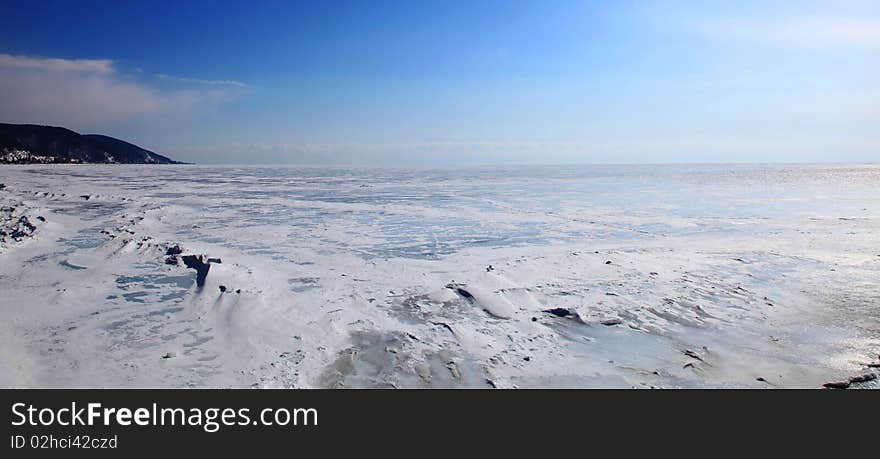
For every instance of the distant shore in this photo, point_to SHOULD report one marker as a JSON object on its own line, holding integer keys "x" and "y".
{"x": 23, "y": 158}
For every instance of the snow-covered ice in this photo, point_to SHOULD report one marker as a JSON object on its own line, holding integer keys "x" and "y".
{"x": 576, "y": 276}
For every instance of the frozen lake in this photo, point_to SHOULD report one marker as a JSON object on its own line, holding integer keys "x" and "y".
{"x": 548, "y": 276}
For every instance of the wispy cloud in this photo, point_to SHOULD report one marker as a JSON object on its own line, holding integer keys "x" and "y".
{"x": 163, "y": 76}
{"x": 89, "y": 93}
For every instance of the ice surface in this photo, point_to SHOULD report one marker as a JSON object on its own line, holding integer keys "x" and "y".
{"x": 671, "y": 276}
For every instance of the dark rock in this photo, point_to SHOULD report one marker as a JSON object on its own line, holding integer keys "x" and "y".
{"x": 559, "y": 312}
{"x": 527, "y": 359}
{"x": 611, "y": 322}
{"x": 466, "y": 294}
{"x": 2, "y": 186}
{"x": 41, "y": 218}
{"x": 238, "y": 291}
{"x": 197, "y": 262}
{"x": 693, "y": 355}
{"x": 222, "y": 289}
{"x": 444, "y": 325}
{"x": 85, "y": 196}
{"x": 174, "y": 250}
{"x": 462, "y": 293}
{"x": 837, "y": 385}
{"x": 167, "y": 355}
{"x": 608, "y": 262}
{"x": 171, "y": 261}
{"x": 215, "y": 260}
{"x": 863, "y": 378}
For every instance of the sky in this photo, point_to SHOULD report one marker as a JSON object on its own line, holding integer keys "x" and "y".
{"x": 453, "y": 82}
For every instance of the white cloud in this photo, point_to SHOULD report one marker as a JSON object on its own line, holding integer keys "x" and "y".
{"x": 56, "y": 65}
{"x": 87, "y": 93}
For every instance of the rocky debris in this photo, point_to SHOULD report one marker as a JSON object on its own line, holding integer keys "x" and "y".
{"x": 25, "y": 228}
{"x": 14, "y": 228}
{"x": 174, "y": 250}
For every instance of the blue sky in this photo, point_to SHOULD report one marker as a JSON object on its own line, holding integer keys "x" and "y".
{"x": 453, "y": 82}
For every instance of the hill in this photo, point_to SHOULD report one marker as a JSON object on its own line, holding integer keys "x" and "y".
{"x": 31, "y": 143}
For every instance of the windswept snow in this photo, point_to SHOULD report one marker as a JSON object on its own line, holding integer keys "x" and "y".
{"x": 593, "y": 276}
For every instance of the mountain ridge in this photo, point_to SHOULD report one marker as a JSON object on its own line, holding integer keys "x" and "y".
{"x": 34, "y": 143}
